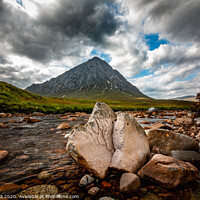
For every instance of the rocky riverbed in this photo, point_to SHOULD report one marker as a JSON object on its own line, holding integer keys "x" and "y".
{"x": 35, "y": 144}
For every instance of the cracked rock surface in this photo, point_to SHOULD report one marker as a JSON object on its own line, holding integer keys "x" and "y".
{"x": 107, "y": 141}
{"x": 91, "y": 146}
{"x": 130, "y": 143}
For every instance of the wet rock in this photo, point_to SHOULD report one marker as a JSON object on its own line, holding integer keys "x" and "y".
{"x": 130, "y": 143}
{"x": 160, "y": 125}
{"x": 86, "y": 180}
{"x": 44, "y": 175}
{"x": 9, "y": 188}
{"x": 64, "y": 126}
{"x": 65, "y": 117}
{"x": 93, "y": 191}
{"x": 168, "y": 141}
{"x": 72, "y": 119}
{"x": 91, "y": 146}
{"x": 183, "y": 120}
{"x": 38, "y": 114}
{"x": 3, "y": 155}
{"x": 168, "y": 172}
{"x": 3, "y": 115}
{"x": 145, "y": 122}
{"x": 188, "y": 156}
{"x": 32, "y": 120}
{"x": 129, "y": 182}
{"x": 46, "y": 192}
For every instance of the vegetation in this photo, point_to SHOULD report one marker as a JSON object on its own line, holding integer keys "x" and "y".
{"x": 13, "y": 99}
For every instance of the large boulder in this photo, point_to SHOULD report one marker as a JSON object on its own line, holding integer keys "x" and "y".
{"x": 168, "y": 172}
{"x": 168, "y": 141}
{"x": 188, "y": 156}
{"x": 91, "y": 146}
{"x": 130, "y": 144}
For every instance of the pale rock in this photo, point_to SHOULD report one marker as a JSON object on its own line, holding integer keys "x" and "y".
{"x": 129, "y": 182}
{"x": 38, "y": 114}
{"x": 93, "y": 191}
{"x": 91, "y": 146}
{"x": 44, "y": 175}
{"x": 3, "y": 115}
{"x": 130, "y": 144}
{"x": 86, "y": 180}
{"x": 106, "y": 198}
{"x": 168, "y": 141}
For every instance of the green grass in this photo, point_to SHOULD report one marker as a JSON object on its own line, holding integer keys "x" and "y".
{"x": 13, "y": 99}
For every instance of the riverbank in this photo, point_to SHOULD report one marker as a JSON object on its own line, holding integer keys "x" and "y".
{"x": 40, "y": 146}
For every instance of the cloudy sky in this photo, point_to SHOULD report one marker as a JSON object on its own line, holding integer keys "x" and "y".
{"x": 154, "y": 44}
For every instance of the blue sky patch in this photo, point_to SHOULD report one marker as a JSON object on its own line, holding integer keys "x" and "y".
{"x": 145, "y": 72}
{"x": 103, "y": 56}
{"x": 153, "y": 41}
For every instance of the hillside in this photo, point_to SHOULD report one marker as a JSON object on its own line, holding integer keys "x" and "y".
{"x": 94, "y": 79}
{"x": 9, "y": 92}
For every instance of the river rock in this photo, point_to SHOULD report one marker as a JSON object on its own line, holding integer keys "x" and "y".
{"x": 3, "y": 115}
{"x": 168, "y": 141}
{"x": 3, "y": 155}
{"x": 44, "y": 175}
{"x": 106, "y": 198}
{"x": 168, "y": 172}
{"x": 183, "y": 120}
{"x": 160, "y": 125}
{"x": 130, "y": 143}
{"x": 47, "y": 192}
{"x": 38, "y": 114}
{"x": 93, "y": 191}
{"x": 64, "y": 126}
{"x": 129, "y": 182}
{"x": 86, "y": 180}
{"x": 188, "y": 156}
{"x": 91, "y": 145}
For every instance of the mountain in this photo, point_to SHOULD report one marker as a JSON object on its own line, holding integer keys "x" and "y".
{"x": 94, "y": 79}
{"x": 186, "y": 98}
{"x": 10, "y": 93}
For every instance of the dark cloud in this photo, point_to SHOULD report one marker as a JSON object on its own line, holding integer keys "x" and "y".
{"x": 4, "y": 60}
{"x": 44, "y": 38}
{"x": 93, "y": 19}
{"x": 178, "y": 20}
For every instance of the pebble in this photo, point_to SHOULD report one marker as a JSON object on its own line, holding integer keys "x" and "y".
{"x": 93, "y": 191}
{"x": 85, "y": 180}
{"x": 44, "y": 175}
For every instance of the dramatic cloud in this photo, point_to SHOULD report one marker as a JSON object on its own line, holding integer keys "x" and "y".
{"x": 40, "y": 40}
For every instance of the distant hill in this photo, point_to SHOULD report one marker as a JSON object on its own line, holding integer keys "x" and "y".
{"x": 94, "y": 79}
{"x": 186, "y": 98}
{"x": 9, "y": 92}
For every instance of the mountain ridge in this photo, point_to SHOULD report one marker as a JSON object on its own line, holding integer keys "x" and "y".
{"x": 94, "y": 79}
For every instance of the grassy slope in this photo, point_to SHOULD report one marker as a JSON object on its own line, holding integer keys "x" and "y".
{"x": 13, "y": 99}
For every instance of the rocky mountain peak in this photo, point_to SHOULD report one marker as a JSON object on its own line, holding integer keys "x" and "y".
{"x": 94, "y": 79}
